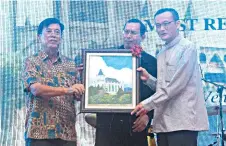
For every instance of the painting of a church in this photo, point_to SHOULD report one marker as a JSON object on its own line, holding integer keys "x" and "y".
{"x": 110, "y": 85}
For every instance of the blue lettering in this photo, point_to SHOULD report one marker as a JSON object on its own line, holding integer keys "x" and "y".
{"x": 207, "y": 24}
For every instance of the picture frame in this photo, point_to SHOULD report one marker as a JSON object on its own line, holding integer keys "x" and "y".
{"x": 111, "y": 81}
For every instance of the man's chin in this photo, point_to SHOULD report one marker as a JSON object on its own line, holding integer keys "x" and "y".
{"x": 164, "y": 37}
{"x": 53, "y": 49}
{"x": 128, "y": 46}
{"x": 53, "y": 46}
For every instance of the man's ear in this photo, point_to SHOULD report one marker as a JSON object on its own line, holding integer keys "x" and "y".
{"x": 178, "y": 24}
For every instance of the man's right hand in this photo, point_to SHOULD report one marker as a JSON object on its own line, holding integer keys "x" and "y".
{"x": 144, "y": 75}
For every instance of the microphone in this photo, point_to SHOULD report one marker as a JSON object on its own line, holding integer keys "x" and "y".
{"x": 212, "y": 144}
{"x": 202, "y": 78}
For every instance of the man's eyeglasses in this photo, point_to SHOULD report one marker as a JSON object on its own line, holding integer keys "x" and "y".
{"x": 130, "y": 32}
{"x": 164, "y": 24}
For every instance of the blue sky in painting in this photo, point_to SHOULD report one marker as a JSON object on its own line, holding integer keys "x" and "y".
{"x": 118, "y": 62}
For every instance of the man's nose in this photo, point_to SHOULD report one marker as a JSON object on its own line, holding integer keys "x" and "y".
{"x": 53, "y": 34}
{"x": 129, "y": 35}
{"x": 162, "y": 28}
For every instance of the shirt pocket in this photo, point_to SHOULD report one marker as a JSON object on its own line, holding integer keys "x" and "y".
{"x": 170, "y": 71}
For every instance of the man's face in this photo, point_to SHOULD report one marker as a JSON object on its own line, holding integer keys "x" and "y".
{"x": 166, "y": 27}
{"x": 131, "y": 35}
{"x": 51, "y": 37}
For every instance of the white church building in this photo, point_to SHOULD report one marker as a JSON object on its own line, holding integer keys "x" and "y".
{"x": 110, "y": 85}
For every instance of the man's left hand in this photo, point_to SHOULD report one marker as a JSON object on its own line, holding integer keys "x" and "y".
{"x": 78, "y": 89}
{"x": 141, "y": 123}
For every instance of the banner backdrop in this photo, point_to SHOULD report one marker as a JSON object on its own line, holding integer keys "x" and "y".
{"x": 99, "y": 24}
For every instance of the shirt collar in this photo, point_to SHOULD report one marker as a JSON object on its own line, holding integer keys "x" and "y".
{"x": 44, "y": 56}
{"x": 173, "y": 42}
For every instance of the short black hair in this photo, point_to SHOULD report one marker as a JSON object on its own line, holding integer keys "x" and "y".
{"x": 47, "y": 22}
{"x": 171, "y": 10}
{"x": 142, "y": 26}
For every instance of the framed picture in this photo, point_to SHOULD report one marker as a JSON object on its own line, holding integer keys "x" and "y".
{"x": 111, "y": 80}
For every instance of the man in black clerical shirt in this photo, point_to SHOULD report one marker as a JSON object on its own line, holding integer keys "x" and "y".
{"x": 122, "y": 129}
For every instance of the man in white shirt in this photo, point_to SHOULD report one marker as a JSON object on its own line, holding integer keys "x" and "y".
{"x": 179, "y": 106}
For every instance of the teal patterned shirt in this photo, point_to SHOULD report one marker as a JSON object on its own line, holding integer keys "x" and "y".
{"x": 53, "y": 118}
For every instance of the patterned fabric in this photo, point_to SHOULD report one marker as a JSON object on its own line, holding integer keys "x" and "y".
{"x": 54, "y": 118}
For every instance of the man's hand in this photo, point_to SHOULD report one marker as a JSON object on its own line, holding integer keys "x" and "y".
{"x": 141, "y": 123}
{"x": 144, "y": 75}
{"x": 78, "y": 89}
{"x": 139, "y": 110}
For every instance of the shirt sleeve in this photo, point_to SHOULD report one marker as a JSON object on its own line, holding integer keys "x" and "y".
{"x": 151, "y": 82}
{"x": 184, "y": 71}
{"x": 29, "y": 74}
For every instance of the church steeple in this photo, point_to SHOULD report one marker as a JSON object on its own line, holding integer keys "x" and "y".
{"x": 100, "y": 72}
